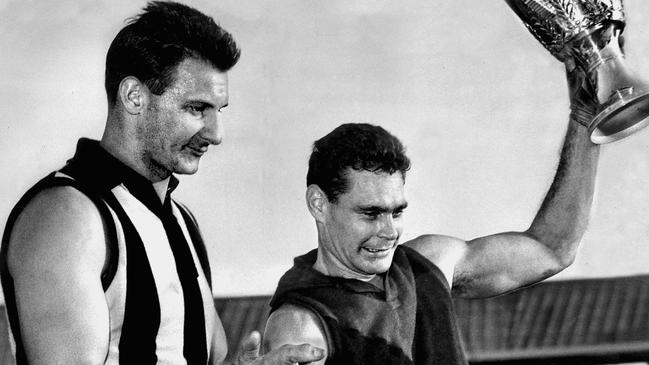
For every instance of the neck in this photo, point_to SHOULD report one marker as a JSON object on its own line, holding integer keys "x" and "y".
{"x": 329, "y": 265}
{"x": 116, "y": 144}
{"x": 117, "y": 141}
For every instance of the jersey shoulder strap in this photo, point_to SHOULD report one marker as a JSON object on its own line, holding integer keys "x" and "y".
{"x": 55, "y": 180}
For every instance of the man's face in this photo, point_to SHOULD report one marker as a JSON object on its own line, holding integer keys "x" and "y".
{"x": 363, "y": 227}
{"x": 182, "y": 122}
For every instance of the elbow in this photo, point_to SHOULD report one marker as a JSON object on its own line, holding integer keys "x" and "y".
{"x": 564, "y": 255}
{"x": 557, "y": 264}
{"x": 562, "y": 249}
{"x": 565, "y": 259}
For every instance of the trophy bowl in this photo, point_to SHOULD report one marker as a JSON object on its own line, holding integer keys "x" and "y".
{"x": 586, "y": 34}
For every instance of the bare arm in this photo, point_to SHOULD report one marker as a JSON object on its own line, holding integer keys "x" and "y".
{"x": 292, "y": 336}
{"x": 294, "y": 325}
{"x": 56, "y": 254}
{"x": 503, "y": 262}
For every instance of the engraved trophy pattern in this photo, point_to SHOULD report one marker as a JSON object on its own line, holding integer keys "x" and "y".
{"x": 586, "y": 34}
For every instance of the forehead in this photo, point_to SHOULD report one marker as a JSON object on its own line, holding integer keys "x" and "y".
{"x": 378, "y": 189}
{"x": 198, "y": 80}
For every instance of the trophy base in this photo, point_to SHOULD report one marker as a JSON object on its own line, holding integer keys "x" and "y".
{"x": 626, "y": 116}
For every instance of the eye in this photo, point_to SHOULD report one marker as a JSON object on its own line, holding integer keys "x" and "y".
{"x": 197, "y": 110}
{"x": 371, "y": 215}
{"x": 397, "y": 213}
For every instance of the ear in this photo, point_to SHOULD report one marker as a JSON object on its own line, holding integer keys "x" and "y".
{"x": 317, "y": 202}
{"x": 133, "y": 95}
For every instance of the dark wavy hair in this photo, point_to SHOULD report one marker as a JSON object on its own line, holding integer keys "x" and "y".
{"x": 358, "y": 147}
{"x": 153, "y": 43}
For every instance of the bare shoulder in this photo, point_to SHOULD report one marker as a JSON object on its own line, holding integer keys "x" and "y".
{"x": 56, "y": 253}
{"x": 438, "y": 248}
{"x": 443, "y": 251}
{"x": 294, "y": 325}
{"x": 59, "y": 225}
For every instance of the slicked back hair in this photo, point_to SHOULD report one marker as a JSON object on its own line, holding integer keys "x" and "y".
{"x": 358, "y": 147}
{"x": 153, "y": 43}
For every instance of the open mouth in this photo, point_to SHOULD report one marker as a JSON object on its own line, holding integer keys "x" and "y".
{"x": 377, "y": 250}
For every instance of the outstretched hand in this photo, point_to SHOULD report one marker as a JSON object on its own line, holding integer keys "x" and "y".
{"x": 285, "y": 355}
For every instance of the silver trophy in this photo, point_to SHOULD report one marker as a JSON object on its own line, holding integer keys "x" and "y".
{"x": 586, "y": 34}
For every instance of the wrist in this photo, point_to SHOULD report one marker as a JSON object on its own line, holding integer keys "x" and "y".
{"x": 582, "y": 114}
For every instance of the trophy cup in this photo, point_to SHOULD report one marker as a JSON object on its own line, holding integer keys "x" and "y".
{"x": 586, "y": 34}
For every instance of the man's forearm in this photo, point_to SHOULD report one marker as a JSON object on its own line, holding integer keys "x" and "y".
{"x": 562, "y": 219}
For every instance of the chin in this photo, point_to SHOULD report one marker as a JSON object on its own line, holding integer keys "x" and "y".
{"x": 186, "y": 167}
{"x": 377, "y": 265}
{"x": 377, "y": 268}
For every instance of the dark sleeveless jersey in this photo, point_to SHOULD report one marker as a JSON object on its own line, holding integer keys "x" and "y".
{"x": 156, "y": 283}
{"x": 410, "y": 322}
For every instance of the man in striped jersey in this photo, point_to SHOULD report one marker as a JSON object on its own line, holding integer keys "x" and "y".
{"x": 99, "y": 264}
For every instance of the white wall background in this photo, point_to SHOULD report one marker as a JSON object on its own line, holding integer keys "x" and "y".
{"x": 480, "y": 104}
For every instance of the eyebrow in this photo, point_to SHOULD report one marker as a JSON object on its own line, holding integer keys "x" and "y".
{"x": 200, "y": 99}
{"x": 381, "y": 209}
{"x": 198, "y": 102}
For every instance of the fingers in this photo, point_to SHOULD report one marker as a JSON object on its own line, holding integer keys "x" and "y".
{"x": 291, "y": 354}
{"x": 249, "y": 350}
{"x": 583, "y": 94}
{"x": 284, "y": 355}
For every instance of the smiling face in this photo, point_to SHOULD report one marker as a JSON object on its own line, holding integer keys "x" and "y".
{"x": 178, "y": 126}
{"x": 359, "y": 233}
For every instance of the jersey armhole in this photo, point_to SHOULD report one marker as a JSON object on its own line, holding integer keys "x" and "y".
{"x": 321, "y": 322}
{"x": 58, "y": 179}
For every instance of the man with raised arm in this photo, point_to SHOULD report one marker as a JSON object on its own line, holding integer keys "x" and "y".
{"x": 99, "y": 264}
{"x": 366, "y": 298}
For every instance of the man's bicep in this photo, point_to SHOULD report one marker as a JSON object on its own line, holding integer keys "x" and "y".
{"x": 500, "y": 263}
{"x": 294, "y": 325}
{"x": 489, "y": 265}
{"x": 55, "y": 257}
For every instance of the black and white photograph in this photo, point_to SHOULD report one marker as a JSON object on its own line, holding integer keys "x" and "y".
{"x": 324, "y": 182}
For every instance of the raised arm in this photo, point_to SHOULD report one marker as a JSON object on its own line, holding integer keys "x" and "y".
{"x": 503, "y": 262}
{"x": 56, "y": 254}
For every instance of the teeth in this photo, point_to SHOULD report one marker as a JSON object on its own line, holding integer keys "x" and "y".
{"x": 374, "y": 249}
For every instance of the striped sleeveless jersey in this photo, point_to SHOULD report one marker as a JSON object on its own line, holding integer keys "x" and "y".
{"x": 155, "y": 254}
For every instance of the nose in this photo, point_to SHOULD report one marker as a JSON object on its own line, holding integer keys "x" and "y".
{"x": 388, "y": 229}
{"x": 212, "y": 131}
